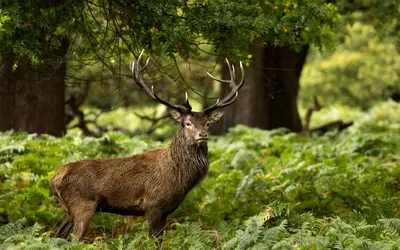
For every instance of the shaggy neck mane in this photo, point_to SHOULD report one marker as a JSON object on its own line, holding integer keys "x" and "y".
{"x": 190, "y": 161}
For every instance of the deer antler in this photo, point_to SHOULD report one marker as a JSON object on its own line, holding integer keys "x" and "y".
{"x": 137, "y": 76}
{"x": 231, "y": 97}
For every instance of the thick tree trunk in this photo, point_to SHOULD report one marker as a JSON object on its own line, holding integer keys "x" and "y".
{"x": 6, "y": 97}
{"x": 32, "y": 98}
{"x": 268, "y": 99}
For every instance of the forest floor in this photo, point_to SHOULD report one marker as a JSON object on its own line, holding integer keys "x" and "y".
{"x": 264, "y": 190}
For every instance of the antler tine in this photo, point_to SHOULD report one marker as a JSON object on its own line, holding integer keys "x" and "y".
{"x": 221, "y": 105}
{"x": 187, "y": 101}
{"x": 231, "y": 73}
{"x": 137, "y": 76}
{"x": 231, "y": 97}
{"x": 218, "y": 80}
{"x": 147, "y": 63}
{"x": 231, "y": 70}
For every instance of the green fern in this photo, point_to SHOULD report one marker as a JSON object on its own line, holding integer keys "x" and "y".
{"x": 284, "y": 245}
{"x": 18, "y": 227}
{"x": 379, "y": 208}
{"x": 392, "y": 224}
{"x": 371, "y": 232}
{"x": 274, "y": 234}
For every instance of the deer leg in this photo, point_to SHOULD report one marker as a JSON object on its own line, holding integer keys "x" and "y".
{"x": 163, "y": 222}
{"x": 82, "y": 214}
{"x": 66, "y": 227}
{"x": 156, "y": 222}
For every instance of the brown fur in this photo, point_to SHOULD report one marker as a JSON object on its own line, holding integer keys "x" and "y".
{"x": 153, "y": 183}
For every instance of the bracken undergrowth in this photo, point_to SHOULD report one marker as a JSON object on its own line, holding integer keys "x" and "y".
{"x": 264, "y": 190}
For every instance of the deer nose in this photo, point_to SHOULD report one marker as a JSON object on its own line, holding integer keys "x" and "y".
{"x": 203, "y": 134}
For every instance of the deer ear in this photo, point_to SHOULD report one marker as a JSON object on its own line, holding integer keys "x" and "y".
{"x": 215, "y": 116}
{"x": 175, "y": 115}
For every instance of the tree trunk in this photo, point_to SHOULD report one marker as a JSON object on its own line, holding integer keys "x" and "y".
{"x": 32, "y": 98}
{"x": 268, "y": 99}
{"x": 7, "y": 88}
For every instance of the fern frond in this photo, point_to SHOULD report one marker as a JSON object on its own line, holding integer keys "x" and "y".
{"x": 13, "y": 228}
{"x": 371, "y": 232}
{"x": 273, "y": 235}
{"x": 230, "y": 244}
{"x": 17, "y": 238}
{"x": 283, "y": 245}
{"x": 392, "y": 224}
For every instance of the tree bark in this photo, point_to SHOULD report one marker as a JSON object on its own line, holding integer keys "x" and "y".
{"x": 6, "y": 97}
{"x": 268, "y": 99}
{"x": 32, "y": 98}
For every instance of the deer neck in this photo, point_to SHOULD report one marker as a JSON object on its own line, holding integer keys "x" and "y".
{"x": 190, "y": 161}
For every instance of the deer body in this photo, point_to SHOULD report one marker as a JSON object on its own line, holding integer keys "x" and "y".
{"x": 134, "y": 185}
{"x": 153, "y": 183}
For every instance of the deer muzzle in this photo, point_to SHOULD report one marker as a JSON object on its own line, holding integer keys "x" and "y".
{"x": 202, "y": 137}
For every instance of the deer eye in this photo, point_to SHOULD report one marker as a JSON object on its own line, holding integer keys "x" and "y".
{"x": 188, "y": 124}
{"x": 207, "y": 124}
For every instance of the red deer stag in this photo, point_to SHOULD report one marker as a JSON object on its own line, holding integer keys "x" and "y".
{"x": 153, "y": 183}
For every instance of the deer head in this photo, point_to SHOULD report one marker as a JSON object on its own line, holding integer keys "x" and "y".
{"x": 195, "y": 125}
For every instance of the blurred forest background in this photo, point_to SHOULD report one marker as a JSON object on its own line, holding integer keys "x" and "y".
{"x": 59, "y": 58}
{"x": 65, "y": 72}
